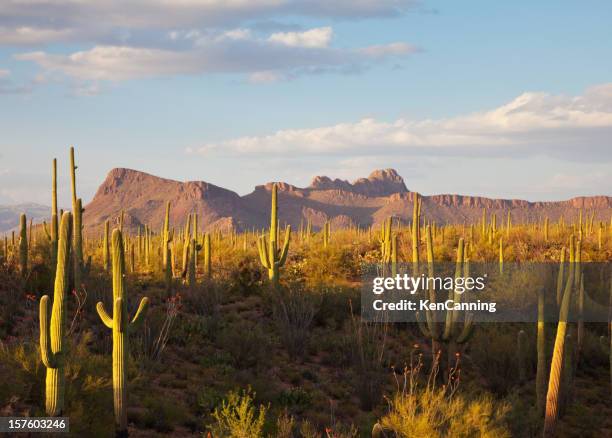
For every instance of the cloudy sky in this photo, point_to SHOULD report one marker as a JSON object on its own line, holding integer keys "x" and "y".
{"x": 503, "y": 99}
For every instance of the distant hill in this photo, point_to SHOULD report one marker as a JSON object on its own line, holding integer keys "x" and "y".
{"x": 9, "y": 214}
{"x": 365, "y": 201}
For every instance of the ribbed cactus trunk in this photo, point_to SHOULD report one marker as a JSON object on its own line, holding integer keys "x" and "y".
{"x": 121, "y": 326}
{"x": 541, "y": 350}
{"x": 23, "y": 245}
{"x": 556, "y": 367}
{"x": 54, "y": 217}
{"x": 416, "y": 221}
{"x": 78, "y": 244}
{"x": 208, "y": 254}
{"x": 106, "y": 247}
{"x": 52, "y": 334}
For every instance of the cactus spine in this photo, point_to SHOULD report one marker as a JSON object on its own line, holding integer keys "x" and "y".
{"x": 52, "y": 334}
{"x": 121, "y": 326}
{"x": 269, "y": 254}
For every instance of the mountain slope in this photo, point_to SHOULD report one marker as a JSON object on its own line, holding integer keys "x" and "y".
{"x": 365, "y": 201}
{"x": 9, "y": 214}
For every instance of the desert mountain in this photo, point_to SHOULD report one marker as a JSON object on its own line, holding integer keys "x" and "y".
{"x": 9, "y": 214}
{"x": 365, "y": 201}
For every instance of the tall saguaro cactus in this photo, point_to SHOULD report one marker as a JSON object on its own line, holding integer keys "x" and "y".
{"x": 106, "y": 248}
{"x": 272, "y": 258}
{"x": 77, "y": 211}
{"x": 121, "y": 326}
{"x": 23, "y": 245}
{"x": 52, "y": 335}
{"x": 556, "y": 367}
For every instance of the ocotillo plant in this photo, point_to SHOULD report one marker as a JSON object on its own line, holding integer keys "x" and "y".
{"x": 272, "y": 258}
{"x": 23, "y": 245}
{"x": 52, "y": 349}
{"x": 121, "y": 326}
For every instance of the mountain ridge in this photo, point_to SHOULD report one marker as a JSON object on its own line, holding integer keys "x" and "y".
{"x": 365, "y": 201}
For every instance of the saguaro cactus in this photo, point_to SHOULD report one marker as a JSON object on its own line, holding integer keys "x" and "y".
{"x": 52, "y": 234}
{"x": 121, "y": 326}
{"x": 271, "y": 257}
{"x": 416, "y": 227}
{"x": 208, "y": 255}
{"x": 106, "y": 247}
{"x": 326, "y": 234}
{"x": 554, "y": 382}
{"x": 23, "y": 245}
{"x": 52, "y": 335}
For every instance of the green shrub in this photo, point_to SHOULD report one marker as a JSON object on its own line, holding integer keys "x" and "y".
{"x": 237, "y": 417}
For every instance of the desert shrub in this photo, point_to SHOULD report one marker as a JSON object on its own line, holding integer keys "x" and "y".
{"x": 162, "y": 414}
{"x": 284, "y": 425}
{"x": 497, "y": 361}
{"x": 294, "y": 310}
{"x": 368, "y": 354}
{"x": 418, "y": 411}
{"x": 246, "y": 278}
{"x": 237, "y": 417}
{"x": 152, "y": 339}
{"x": 296, "y": 399}
{"x": 246, "y": 344}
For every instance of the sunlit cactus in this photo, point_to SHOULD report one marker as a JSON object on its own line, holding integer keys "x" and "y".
{"x": 270, "y": 255}
{"x": 52, "y": 347}
{"x": 121, "y": 326}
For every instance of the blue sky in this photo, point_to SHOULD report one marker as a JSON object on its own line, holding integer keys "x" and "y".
{"x": 503, "y": 99}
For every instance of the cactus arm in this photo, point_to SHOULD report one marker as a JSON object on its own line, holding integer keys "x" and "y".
{"x": 140, "y": 313}
{"x": 106, "y": 319}
{"x": 46, "y": 354}
{"x": 285, "y": 250}
{"x": 263, "y": 253}
{"x": 467, "y": 331}
{"x": 46, "y": 230}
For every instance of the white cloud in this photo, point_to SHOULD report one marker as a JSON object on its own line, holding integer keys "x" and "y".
{"x": 233, "y": 51}
{"x": 103, "y": 21}
{"x": 314, "y": 38}
{"x": 4, "y": 73}
{"x": 580, "y": 126}
{"x": 392, "y": 49}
